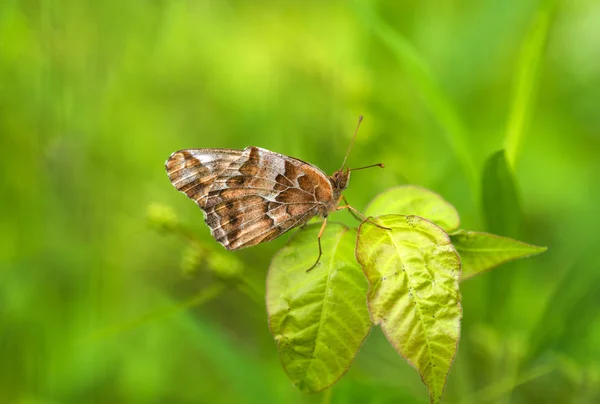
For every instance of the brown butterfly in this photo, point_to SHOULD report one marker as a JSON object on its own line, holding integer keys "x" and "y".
{"x": 254, "y": 195}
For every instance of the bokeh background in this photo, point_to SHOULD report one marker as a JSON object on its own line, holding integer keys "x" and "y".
{"x": 100, "y": 304}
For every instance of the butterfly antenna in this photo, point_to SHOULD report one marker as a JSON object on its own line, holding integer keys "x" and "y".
{"x": 369, "y": 166}
{"x": 360, "y": 118}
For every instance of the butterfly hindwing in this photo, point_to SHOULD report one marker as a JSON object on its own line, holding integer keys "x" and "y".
{"x": 261, "y": 196}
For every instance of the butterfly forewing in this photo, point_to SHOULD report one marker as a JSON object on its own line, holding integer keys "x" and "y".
{"x": 252, "y": 195}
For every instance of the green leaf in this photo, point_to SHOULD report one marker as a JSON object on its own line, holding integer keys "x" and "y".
{"x": 500, "y": 201}
{"x": 318, "y": 318}
{"x": 413, "y": 272}
{"x": 482, "y": 251}
{"x": 414, "y": 200}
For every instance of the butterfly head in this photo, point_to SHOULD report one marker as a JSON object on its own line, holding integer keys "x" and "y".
{"x": 340, "y": 179}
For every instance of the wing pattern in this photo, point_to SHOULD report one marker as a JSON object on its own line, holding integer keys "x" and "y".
{"x": 250, "y": 196}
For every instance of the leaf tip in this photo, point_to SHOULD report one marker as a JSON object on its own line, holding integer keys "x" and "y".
{"x": 536, "y": 250}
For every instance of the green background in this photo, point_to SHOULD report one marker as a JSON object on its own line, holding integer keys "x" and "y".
{"x": 95, "y": 305}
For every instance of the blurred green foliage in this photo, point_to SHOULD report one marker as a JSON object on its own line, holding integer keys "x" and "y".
{"x": 94, "y": 96}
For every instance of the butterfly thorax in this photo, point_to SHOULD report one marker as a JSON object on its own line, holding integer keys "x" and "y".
{"x": 339, "y": 182}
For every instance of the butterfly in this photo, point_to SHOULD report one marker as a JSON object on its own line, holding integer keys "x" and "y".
{"x": 254, "y": 195}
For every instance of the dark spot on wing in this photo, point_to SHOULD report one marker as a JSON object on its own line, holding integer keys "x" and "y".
{"x": 237, "y": 181}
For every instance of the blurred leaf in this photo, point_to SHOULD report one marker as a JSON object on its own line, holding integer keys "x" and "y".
{"x": 413, "y": 272}
{"x": 413, "y": 200}
{"x": 162, "y": 217}
{"x": 191, "y": 260}
{"x": 526, "y": 79}
{"x": 225, "y": 264}
{"x": 500, "y": 200}
{"x": 482, "y": 251}
{"x": 501, "y": 211}
{"x": 318, "y": 318}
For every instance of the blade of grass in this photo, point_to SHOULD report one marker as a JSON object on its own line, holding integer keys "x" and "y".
{"x": 526, "y": 79}
{"x": 431, "y": 92}
{"x": 504, "y": 386}
{"x": 560, "y": 324}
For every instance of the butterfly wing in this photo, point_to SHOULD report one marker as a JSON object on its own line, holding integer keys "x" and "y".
{"x": 258, "y": 196}
{"x": 193, "y": 171}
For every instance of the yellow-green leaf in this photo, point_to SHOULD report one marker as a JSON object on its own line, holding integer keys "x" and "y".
{"x": 413, "y": 272}
{"x": 318, "y": 318}
{"x": 414, "y": 200}
{"x": 482, "y": 251}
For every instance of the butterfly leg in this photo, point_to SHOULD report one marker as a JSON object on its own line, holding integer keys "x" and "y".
{"x": 351, "y": 211}
{"x": 319, "y": 241}
{"x": 366, "y": 219}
